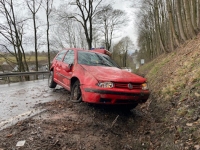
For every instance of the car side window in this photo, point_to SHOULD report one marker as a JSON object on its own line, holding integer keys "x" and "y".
{"x": 69, "y": 57}
{"x": 59, "y": 57}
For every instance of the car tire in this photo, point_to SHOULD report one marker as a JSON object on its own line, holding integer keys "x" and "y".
{"x": 76, "y": 96}
{"x": 51, "y": 82}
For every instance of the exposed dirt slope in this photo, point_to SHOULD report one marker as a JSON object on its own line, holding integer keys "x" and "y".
{"x": 174, "y": 80}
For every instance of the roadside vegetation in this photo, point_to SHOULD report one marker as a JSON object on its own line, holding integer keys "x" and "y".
{"x": 174, "y": 81}
{"x": 29, "y": 59}
{"x": 165, "y": 25}
{"x": 8, "y": 62}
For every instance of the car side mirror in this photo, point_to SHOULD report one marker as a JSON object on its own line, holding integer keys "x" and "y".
{"x": 68, "y": 67}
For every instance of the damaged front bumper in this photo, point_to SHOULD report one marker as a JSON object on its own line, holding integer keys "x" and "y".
{"x": 92, "y": 95}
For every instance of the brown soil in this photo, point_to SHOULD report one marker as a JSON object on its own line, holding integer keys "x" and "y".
{"x": 72, "y": 126}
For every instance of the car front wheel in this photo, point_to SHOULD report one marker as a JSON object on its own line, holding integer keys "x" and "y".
{"x": 76, "y": 93}
{"x": 51, "y": 82}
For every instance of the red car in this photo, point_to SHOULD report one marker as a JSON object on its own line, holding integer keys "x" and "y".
{"x": 92, "y": 76}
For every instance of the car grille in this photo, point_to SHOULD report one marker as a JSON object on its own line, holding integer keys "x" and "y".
{"x": 125, "y": 85}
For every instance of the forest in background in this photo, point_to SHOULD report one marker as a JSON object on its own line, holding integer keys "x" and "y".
{"x": 162, "y": 26}
{"x": 165, "y": 25}
{"x": 82, "y": 24}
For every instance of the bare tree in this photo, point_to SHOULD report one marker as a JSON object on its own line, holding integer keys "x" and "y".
{"x": 180, "y": 21}
{"x": 198, "y": 14}
{"x": 174, "y": 37}
{"x": 190, "y": 27}
{"x": 164, "y": 24}
{"x": 194, "y": 7}
{"x": 109, "y": 20}
{"x": 34, "y": 6}
{"x": 84, "y": 12}
{"x": 12, "y": 31}
{"x": 127, "y": 45}
{"x": 158, "y": 25}
{"x": 81, "y": 37}
{"x": 48, "y": 10}
{"x": 116, "y": 54}
{"x": 120, "y": 51}
{"x": 68, "y": 32}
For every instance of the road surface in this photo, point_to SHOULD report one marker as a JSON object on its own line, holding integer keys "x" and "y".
{"x": 17, "y": 100}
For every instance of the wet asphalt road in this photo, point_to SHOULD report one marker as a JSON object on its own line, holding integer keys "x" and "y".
{"x": 17, "y": 100}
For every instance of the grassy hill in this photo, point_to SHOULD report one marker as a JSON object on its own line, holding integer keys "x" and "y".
{"x": 174, "y": 81}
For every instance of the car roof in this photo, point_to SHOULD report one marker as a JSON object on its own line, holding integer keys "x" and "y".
{"x": 96, "y": 50}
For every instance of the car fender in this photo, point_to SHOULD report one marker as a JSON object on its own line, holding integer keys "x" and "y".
{"x": 85, "y": 77}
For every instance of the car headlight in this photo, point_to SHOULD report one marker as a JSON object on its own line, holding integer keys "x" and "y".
{"x": 106, "y": 84}
{"x": 145, "y": 86}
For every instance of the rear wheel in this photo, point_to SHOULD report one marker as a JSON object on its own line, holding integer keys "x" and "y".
{"x": 51, "y": 82}
{"x": 76, "y": 96}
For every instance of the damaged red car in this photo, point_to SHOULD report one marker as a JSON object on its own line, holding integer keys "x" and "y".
{"x": 92, "y": 76}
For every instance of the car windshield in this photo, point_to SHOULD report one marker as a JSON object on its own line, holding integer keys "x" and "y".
{"x": 95, "y": 59}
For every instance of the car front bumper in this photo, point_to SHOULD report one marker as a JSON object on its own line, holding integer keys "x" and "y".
{"x": 114, "y": 96}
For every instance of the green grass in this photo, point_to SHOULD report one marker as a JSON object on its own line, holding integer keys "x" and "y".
{"x": 159, "y": 65}
{"x": 40, "y": 58}
{"x": 28, "y": 58}
{"x": 10, "y": 58}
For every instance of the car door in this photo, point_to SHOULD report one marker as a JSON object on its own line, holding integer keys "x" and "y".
{"x": 67, "y": 66}
{"x": 57, "y": 67}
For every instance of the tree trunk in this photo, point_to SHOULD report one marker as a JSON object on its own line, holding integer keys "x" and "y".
{"x": 194, "y": 14}
{"x": 171, "y": 24}
{"x": 157, "y": 24}
{"x": 198, "y": 14}
{"x": 35, "y": 37}
{"x": 48, "y": 43}
{"x": 91, "y": 37}
{"x": 188, "y": 19}
{"x": 125, "y": 59}
{"x": 180, "y": 22}
{"x": 34, "y": 10}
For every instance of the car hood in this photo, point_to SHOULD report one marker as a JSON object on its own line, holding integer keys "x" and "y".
{"x": 114, "y": 74}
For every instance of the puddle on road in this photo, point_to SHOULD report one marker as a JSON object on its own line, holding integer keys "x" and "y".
{"x": 19, "y": 103}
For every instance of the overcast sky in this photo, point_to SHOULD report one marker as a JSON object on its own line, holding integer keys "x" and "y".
{"x": 125, "y": 5}
{"x": 129, "y": 30}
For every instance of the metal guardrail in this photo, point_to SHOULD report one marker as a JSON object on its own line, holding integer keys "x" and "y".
{"x": 22, "y": 74}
